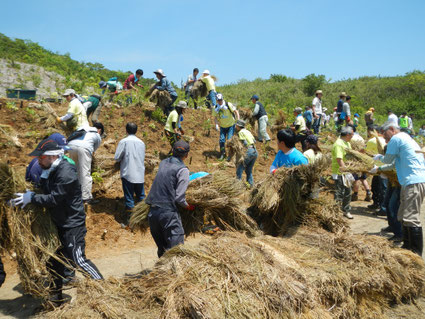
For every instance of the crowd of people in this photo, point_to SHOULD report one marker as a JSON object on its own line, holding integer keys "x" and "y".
{"x": 66, "y": 183}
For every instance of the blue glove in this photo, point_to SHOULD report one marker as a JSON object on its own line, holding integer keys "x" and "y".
{"x": 22, "y": 199}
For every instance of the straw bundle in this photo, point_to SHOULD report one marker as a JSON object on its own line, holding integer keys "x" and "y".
{"x": 379, "y": 143}
{"x": 279, "y": 123}
{"x": 216, "y": 200}
{"x": 161, "y": 98}
{"x": 357, "y": 145}
{"x": 9, "y": 134}
{"x": 235, "y": 147}
{"x": 199, "y": 89}
{"x": 278, "y": 202}
{"x": 314, "y": 274}
{"x": 357, "y": 162}
{"x": 246, "y": 115}
{"x": 31, "y": 235}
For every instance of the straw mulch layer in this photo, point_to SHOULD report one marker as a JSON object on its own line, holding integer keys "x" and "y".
{"x": 236, "y": 148}
{"x": 9, "y": 135}
{"x": 199, "y": 89}
{"x": 357, "y": 162}
{"x": 282, "y": 200}
{"x": 29, "y": 232}
{"x": 216, "y": 200}
{"x": 314, "y": 274}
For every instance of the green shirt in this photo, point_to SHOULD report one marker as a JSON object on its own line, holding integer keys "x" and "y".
{"x": 404, "y": 122}
{"x": 339, "y": 150}
{"x": 245, "y": 135}
{"x": 225, "y": 115}
{"x": 172, "y": 117}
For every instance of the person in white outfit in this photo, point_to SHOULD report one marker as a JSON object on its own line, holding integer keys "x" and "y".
{"x": 83, "y": 145}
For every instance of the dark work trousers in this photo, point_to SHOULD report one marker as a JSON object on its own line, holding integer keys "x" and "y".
{"x": 72, "y": 251}
{"x": 166, "y": 228}
{"x": 133, "y": 192}
{"x": 301, "y": 137}
{"x": 2, "y": 273}
{"x": 169, "y": 108}
{"x": 172, "y": 138}
{"x": 376, "y": 190}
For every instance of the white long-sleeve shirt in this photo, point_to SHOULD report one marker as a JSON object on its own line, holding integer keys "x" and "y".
{"x": 91, "y": 140}
{"x": 130, "y": 154}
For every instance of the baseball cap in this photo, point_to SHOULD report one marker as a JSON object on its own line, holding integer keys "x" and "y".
{"x": 68, "y": 92}
{"x": 219, "y": 96}
{"x": 102, "y": 84}
{"x": 255, "y": 96}
{"x": 44, "y": 146}
{"x": 182, "y": 105}
{"x": 180, "y": 148}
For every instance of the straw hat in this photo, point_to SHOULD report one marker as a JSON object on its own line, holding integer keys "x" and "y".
{"x": 319, "y": 92}
{"x": 159, "y": 71}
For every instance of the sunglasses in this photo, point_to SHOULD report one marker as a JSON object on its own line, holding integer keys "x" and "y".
{"x": 41, "y": 157}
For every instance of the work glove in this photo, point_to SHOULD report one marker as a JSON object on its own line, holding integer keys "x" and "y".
{"x": 58, "y": 119}
{"x": 374, "y": 170}
{"x": 190, "y": 207}
{"x": 378, "y": 157}
{"x": 274, "y": 171}
{"x": 217, "y": 127}
{"x": 182, "y": 132}
{"x": 22, "y": 199}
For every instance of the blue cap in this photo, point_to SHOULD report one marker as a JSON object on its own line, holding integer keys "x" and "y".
{"x": 59, "y": 139}
{"x": 255, "y": 96}
{"x": 357, "y": 115}
{"x": 102, "y": 84}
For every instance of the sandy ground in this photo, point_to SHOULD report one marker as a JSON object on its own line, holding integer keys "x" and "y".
{"x": 13, "y": 304}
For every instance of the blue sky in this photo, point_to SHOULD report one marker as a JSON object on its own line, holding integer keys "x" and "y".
{"x": 234, "y": 39}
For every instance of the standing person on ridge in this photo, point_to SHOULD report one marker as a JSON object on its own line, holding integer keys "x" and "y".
{"x": 210, "y": 83}
{"x": 317, "y": 111}
{"x": 346, "y": 110}
{"x": 225, "y": 117}
{"x": 299, "y": 128}
{"x": 191, "y": 79}
{"x": 368, "y": 117}
{"x": 392, "y": 118}
{"x": 308, "y": 116}
{"x": 63, "y": 200}
{"x": 167, "y": 194}
{"x": 165, "y": 85}
{"x": 250, "y": 155}
{"x": 130, "y": 154}
{"x": 173, "y": 130}
{"x": 261, "y": 115}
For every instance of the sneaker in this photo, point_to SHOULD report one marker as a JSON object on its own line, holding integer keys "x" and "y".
{"x": 373, "y": 206}
{"x": 396, "y": 239}
{"x": 348, "y": 215}
{"x": 354, "y": 197}
{"x": 387, "y": 229}
{"x": 380, "y": 213}
{"x": 368, "y": 197}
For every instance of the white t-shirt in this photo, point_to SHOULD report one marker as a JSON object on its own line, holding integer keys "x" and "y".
{"x": 393, "y": 118}
{"x": 317, "y": 104}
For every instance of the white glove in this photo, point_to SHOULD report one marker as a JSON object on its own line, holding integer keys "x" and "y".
{"x": 22, "y": 198}
{"x": 217, "y": 127}
{"x": 374, "y": 170}
{"x": 378, "y": 157}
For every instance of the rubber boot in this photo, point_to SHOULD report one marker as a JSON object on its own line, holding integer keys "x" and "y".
{"x": 416, "y": 240}
{"x": 406, "y": 239}
{"x": 222, "y": 154}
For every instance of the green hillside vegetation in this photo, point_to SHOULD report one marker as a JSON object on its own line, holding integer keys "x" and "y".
{"x": 78, "y": 75}
{"x": 399, "y": 93}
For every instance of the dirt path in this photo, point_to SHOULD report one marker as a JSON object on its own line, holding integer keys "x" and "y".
{"x": 132, "y": 261}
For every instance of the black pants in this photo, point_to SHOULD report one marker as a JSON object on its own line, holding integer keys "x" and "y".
{"x": 166, "y": 228}
{"x": 169, "y": 108}
{"x": 172, "y": 139}
{"x": 377, "y": 190}
{"x": 2, "y": 273}
{"x": 301, "y": 137}
{"x": 72, "y": 251}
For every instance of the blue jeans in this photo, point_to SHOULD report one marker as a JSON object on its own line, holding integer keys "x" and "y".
{"x": 393, "y": 205}
{"x": 247, "y": 165}
{"x": 316, "y": 124}
{"x": 225, "y": 133}
{"x": 131, "y": 190}
{"x": 213, "y": 98}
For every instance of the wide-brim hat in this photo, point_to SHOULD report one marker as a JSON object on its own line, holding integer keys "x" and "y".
{"x": 206, "y": 72}
{"x": 159, "y": 71}
{"x": 343, "y": 94}
{"x": 319, "y": 92}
